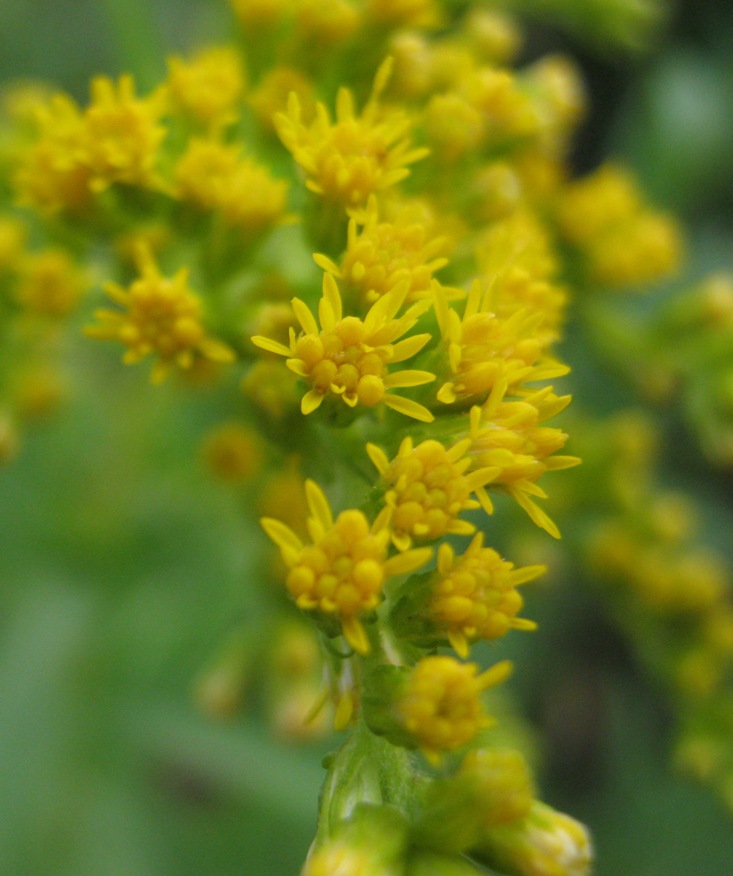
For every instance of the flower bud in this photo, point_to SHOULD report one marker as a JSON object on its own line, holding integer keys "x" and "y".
{"x": 543, "y": 843}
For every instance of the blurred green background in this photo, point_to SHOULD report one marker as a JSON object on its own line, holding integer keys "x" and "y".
{"x": 123, "y": 566}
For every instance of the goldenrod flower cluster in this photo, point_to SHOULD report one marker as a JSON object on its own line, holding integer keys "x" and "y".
{"x": 373, "y": 246}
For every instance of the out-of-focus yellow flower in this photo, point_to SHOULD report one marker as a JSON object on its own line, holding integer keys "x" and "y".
{"x": 159, "y": 316}
{"x": 49, "y": 283}
{"x": 216, "y": 177}
{"x": 79, "y": 153}
{"x": 475, "y": 597}
{"x": 122, "y": 134}
{"x": 355, "y": 156}
{"x": 342, "y": 571}
{"x": 347, "y": 358}
{"x": 50, "y": 175}
{"x": 624, "y": 241}
{"x": 207, "y": 88}
{"x": 233, "y": 452}
{"x": 270, "y": 96}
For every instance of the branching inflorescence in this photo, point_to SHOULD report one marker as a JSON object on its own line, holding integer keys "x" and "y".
{"x": 376, "y": 245}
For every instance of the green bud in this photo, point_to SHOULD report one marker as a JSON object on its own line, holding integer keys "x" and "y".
{"x": 371, "y": 842}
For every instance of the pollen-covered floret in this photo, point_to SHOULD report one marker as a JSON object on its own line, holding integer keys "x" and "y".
{"x": 342, "y": 571}
{"x": 355, "y": 155}
{"x": 441, "y": 705}
{"x": 475, "y": 594}
{"x": 158, "y": 316}
{"x": 427, "y": 487}
{"x": 348, "y": 358}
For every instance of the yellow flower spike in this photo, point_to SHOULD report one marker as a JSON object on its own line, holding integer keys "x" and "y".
{"x": 441, "y": 707}
{"x": 475, "y": 596}
{"x": 348, "y": 358}
{"x": 348, "y": 159}
{"x": 208, "y": 87}
{"x": 159, "y": 316}
{"x": 427, "y": 487}
{"x": 340, "y": 573}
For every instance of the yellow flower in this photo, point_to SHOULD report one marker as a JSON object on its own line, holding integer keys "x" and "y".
{"x": 114, "y": 140}
{"x": 483, "y": 349}
{"x": 508, "y": 436}
{"x": 50, "y": 175}
{"x": 207, "y": 88}
{"x": 348, "y": 159}
{"x": 214, "y": 176}
{"x": 348, "y": 358}
{"x": 121, "y": 135}
{"x": 381, "y": 254}
{"x": 49, "y": 283}
{"x": 623, "y": 239}
{"x": 427, "y": 488}
{"x": 441, "y": 707}
{"x": 270, "y": 97}
{"x": 342, "y": 571}
{"x": 159, "y": 316}
{"x": 475, "y": 595}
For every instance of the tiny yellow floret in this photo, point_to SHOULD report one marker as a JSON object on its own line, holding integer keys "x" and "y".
{"x": 441, "y": 707}
{"x": 159, "y": 316}
{"x": 475, "y": 595}
{"x": 341, "y": 572}
{"x": 348, "y": 358}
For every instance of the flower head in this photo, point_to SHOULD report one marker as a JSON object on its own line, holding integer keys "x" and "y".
{"x": 475, "y": 594}
{"x": 342, "y": 571}
{"x": 354, "y": 156}
{"x": 427, "y": 488}
{"x": 159, "y": 316}
{"x": 483, "y": 349}
{"x": 508, "y": 435}
{"x": 381, "y": 254}
{"x": 208, "y": 87}
{"x": 214, "y": 176}
{"x": 348, "y": 358}
{"x": 440, "y": 706}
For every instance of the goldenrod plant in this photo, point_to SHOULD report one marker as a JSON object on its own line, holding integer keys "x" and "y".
{"x": 352, "y": 232}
